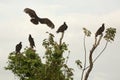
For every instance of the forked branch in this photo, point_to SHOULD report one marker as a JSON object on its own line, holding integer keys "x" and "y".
{"x": 90, "y": 57}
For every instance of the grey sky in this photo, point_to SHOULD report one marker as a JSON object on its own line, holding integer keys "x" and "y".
{"x": 15, "y": 27}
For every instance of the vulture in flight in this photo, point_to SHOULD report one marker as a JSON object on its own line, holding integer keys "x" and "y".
{"x": 62, "y": 28}
{"x": 31, "y": 40}
{"x": 35, "y": 19}
{"x": 18, "y": 47}
{"x": 100, "y": 30}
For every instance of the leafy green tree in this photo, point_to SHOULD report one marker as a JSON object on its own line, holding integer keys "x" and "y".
{"x": 27, "y": 65}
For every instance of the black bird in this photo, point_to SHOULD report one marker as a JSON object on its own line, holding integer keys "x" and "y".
{"x": 18, "y": 47}
{"x": 35, "y": 19}
{"x": 100, "y": 30}
{"x": 31, "y": 40}
{"x": 62, "y": 28}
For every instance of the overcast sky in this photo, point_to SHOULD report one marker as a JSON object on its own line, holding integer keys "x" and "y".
{"x": 15, "y": 27}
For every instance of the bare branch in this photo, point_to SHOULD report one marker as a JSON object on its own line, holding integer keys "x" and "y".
{"x": 101, "y": 52}
{"x": 67, "y": 58}
{"x": 61, "y": 39}
{"x": 90, "y": 57}
{"x": 85, "y": 52}
{"x": 84, "y": 59}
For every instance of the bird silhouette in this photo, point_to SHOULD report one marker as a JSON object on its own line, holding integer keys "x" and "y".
{"x": 18, "y": 47}
{"x": 100, "y": 30}
{"x": 35, "y": 19}
{"x": 31, "y": 41}
{"x": 62, "y": 28}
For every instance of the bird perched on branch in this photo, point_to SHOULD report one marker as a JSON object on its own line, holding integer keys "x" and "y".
{"x": 62, "y": 28}
{"x": 100, "y": 30}
{"x": 18, "y": 47}
{"x": 31, "y": 41}
{"x": 35, "y": 19}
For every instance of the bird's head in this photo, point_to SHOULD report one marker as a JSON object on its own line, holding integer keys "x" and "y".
{"x": 20, "y": 42}
{"x": 103, "y": 24}
{"x": 64, "y": 22}
{"x": 30, "y": 35}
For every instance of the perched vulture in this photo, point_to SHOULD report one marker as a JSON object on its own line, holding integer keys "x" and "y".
{"x": 100, "y": 30}
{"x": 62, "y": 28}
{"x": 18, "y": 47}
{"x": 35, "y": 19}
{"x": 31, "y": 40}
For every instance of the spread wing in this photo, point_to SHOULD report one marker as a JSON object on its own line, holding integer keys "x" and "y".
{"x": 47, "y": 21}
{"x": 30, "y": 12}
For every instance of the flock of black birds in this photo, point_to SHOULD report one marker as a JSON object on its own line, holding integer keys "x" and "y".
{"x": 35, "y": 20}
{"x": 19, "y": 45}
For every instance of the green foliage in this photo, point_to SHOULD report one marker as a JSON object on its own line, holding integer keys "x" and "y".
{"x": 55, "y": 61}
{"x": 28, "y": 65}
{"x": 110, "y": 34}
{"x": 79, "y": 63}
{"x": 87, "y": 32}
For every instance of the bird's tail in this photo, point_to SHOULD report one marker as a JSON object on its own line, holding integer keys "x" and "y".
{"x": 34, "y": 21}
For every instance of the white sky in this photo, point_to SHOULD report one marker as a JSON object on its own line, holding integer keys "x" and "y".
{"x": 15, "y": 27}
